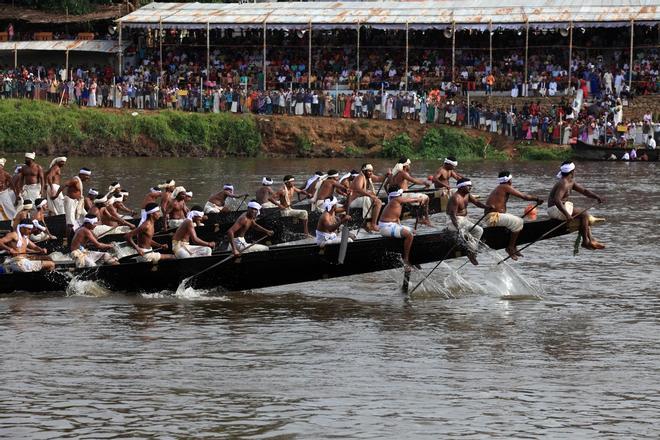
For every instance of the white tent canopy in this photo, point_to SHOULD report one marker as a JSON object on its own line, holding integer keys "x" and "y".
{"x": 103, "y": 46}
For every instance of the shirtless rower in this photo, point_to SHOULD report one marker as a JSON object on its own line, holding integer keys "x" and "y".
{"x": 312, "y": 182}
{"x": 347, "y": 179}
{"x": 178, "y": 208}
{"x": 441, "y": 179}
{"x": 457, "y": 211}
{"x": 390, "y": 223}
{"x": 84, "y": 236}
{"x": 89, "y": 199}
{"x": 23, "y": 213}
{"x": 329, "y": 223}
{"x": 283, "y": 201}
{"x": 326, "y": 190}
{"x": 265, "y": 195}
{"x": 217, "y": 202}
{"x": 110, "y": 220}
{"x": 401, "y": 178}
{"x": 185, "y": 235}
{"x": 145, "y": 234}
{"x": 244, "y": 223}
{"x": 363, "y": 195}
{"x": 74, "y": 204}
{"x": 38, "y": 217}
{"x": 31, "y": 184}
{"x": 121, "y": 198}
{"x": 152, "y": 196}
{"x": 18, "y": 244}
{"x": 53, "y": 181}
{"x": 497, "y": 215}
{"x": 560, "y": 208}
{"x": 166, "y": 197}
{"x": 7, "y": 195}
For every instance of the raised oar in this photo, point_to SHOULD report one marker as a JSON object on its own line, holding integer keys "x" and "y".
{"x": 444, "y": 258}
{"x": 242, "y": 201}
{"x": 550, "y": 231}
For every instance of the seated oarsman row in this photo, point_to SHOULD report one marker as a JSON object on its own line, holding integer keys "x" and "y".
{"x": 326, "y": 186}
{"x": 329, "y": 223}
{"x": 363, "y": 195}
{"x": 145, "y": 233}
{"x": 390, "y": 223}
{"x": 496, "y": 210}
{"x": 402, "y": 178}
{"x": 245, "y": 222}
{"x": 19, "y": 246}
{"x": 185, "y": 235}
{"x": 83, "y": 237}
{"x": 458, "y": 220}
{"x": 218, "y": 202}
{"x": 109, "y": 219}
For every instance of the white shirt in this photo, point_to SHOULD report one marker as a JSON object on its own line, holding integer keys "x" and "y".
{"x": 651, "y": 144}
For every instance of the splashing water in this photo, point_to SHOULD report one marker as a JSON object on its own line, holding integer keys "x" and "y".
{"x": 78, "y": 287}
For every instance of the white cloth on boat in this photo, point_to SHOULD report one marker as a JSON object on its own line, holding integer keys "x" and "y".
{"x": 149, "y": 256}
{"x": 554, "y": 212}
{"x": 295, "y": 213}
{"x": 103, "y": 229}
{"x": 245, "y": 247}
{"x": 86, "y": 258}
{"x": 175, "y": 222}
{"x": 74, "y": 209}
{"x": 365, "y": 203}
{"x": 183, "y": 249}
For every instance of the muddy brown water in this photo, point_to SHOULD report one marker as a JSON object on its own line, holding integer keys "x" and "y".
{"x": 559, "y": 347}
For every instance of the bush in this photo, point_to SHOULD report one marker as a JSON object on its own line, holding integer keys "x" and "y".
{"x": 543, "y": 153}
{"x": 441, "y": 142}
{"x": 303, "y": 145}
{"x": 398, "y": 146}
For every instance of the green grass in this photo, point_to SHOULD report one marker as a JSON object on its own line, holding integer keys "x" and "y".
{"x": 38, "y": 125}
{"x": 535, "y": 152}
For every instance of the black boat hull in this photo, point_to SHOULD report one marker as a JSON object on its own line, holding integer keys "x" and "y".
{"x": 584, "y": 151}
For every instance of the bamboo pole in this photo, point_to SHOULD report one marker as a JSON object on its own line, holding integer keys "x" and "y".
{"x": 357, "y": 65}
{"x": 121, "y": 49}
{"x": 264, "y": 59}
{"x": 490, "y": 45}
{"x": 208, "y": 49}
{"x": 309, "y": 57}
{"x": 632, "y": 39}
{"x": 160, "y": 42}
{"x": 453, "y": 51}
{"x": 15, "y": 56}
{"x": 526, "y": 57}
{"x": 407, "y": 52}
{"x": 570, "y": 53}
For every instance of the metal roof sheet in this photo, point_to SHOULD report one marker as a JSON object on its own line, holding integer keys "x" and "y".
{"x": 392, "y": 14}
{"x": 107, "y": 46}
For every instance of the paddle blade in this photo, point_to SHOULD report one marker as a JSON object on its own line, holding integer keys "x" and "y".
{"x": 343, "y": 246}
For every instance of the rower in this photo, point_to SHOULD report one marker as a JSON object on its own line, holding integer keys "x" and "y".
{"x": 497, "y": 215}
{"x": 329, "y": 223}
{"x": 265, "y": 195}
{"x": 7, "y": 196}
{"x": 41, "y": 232}
{"x": 23, "y": 213}
{"x": 363, "y": 195}
{"x": 401, "y": 178}
{"x": 152, "y": 197}
{"x": 283, "y": 200}
{"x": 31, "y": 183}
{"x": 312, "y": 182}
{"x": 18, "y": 244}
{"x": 99, "y": 202}
{"x": 110, "y": 219}
{"x": 244, "y": 223}
{"x": 186, "y": 234}
{"x": 178, "y": 209}
{"x": 326, "y": 190}
{"x": 92, "y": 194}
{"x": 216, "y": 202}
{"x": 145, "y": 234}
{"x": 74, "y": 204}
{"x": 457, "y": 210}
{"x": 53, "y": 181}
{"x": 120, "y": 198}
{"x": 168, "y": 189}
{"x": 347, "y": 179}
{"x": 390, "y": 224}
{"x": 84, "y": 236}
{"x": 560, "y": 208}
{"x": 114, "y": 187}
{"x": 441, "y": 179}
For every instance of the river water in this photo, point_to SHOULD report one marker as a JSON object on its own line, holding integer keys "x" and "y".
{"x": 554, "y": 345}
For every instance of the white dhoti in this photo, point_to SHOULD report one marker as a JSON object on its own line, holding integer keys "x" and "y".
{"x": 268, "y": 204}
{"x": 7, "y": 208}
{"x": 182, "y": 249}
{"x": 393, "y": 229}
{"x": 299, "y": 109}
{"x": 423, "y": 198}
{"x": 87, "y": 258}
{"x": 212, "y": 208}
{"x": 317, "y": 206}
{"x": 100, "y": 230}
{"x": 234, "y": 107}
{"x": 149, "y": 256}
{"x": 554, "y": 212}
{"x": 31, "y": 192}
{"x": 512, "y": 222}
{"x": 55, "y": 205}
{"x": 365, "y": 203}
{"x": 22, "y": 264}
{"x": 74, "y": 209}
{"x": 245, "y": 247}
{"x": 295, "y": 213}
{"x": 324, "y": 238}
{"x": 466, "y": 226}
{"x": 175, "y": 222}
{"x": 41, "y": 236}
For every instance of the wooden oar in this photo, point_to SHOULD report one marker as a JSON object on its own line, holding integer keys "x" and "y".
{"x": 550, "y": 231}
{"x": 445, "y": 257}
{"x": 107, "y": 232}
{"x": 242, "y": 201}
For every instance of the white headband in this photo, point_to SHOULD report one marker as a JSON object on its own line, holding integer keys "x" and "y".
{"x": 505, "y": 179}
{"x": 85, "y": 172}
{"x": 124, "y": 193}
{"x": 103, "y": 199}
{"x": 189, "y": 194}
{"x": 92, "y": 192}
{"x": 466, "y": 183}
{"x": 26, "y": 225}
{"x": 356, "y": 174}
{"x": 91, "y": 221}
{"x": 368, "y": 167}
{"x": 332, "y": 176}
{"x": 254, "y": 205}
{"x": 228, "y": 187}
{"x": 566, "y": 168}
{"x": 293, "y": 178}
{"x": 38, "y": 225}
{"x": 27, "y": 206}
{"x": 329, "y": 203}
{"x": 453, "y": 163}
{"x": 178, "y": 190}
{"x": 395, "y": 194}
{"x": 30, "y": 156}
{"x": 116, "y": 199}
{"x": 151, "y": 211}
{"x": 344, "y": 177}
{"x": 266, "y": 181}
{"x": 155, "y": 190}
{"x": 57, "y": 160}
{"x": 112, "y": 188}
{"x": 192, "y": 214}
{"x": 43, "y": 203}
{"x": 167, "y": 184}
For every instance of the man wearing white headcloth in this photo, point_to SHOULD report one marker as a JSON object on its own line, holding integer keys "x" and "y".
{"x": 31, "y": 183}
{"x": 74, "y": 202}
{"x": 236, "y": 234}
{"x": 83, "y": 237}
{"x": 284, "y": 197}
{"x": 390, "y": 223}
{"x": 89, "y": 199}
{"x": 18, "y": 245}
{"x": 329, "y": 223}
{"x": 325, "y": 189}
{"x": 24, "y": 213}
{"x": 312, "y": 182}
{"x": 457, "y": 211}
{"x": 217, "y": 203}
{"x": 185, "y": 235}
{"x": 145, "y": 232}
{"x": 560, "y": 208}
{"x": 38, "y": 217}
{"x": 401, "y": 178}
{"x": 53, "y": 181}
{"x": 497, "y": 215}
{"x": 265, "y": 195}
{"x": 7, "y": 195}
{"x": 441, "y": 179}
{"x": 178, "y": 208}
{"x": 363, "y": 195}
{"x": 109, "y": 219}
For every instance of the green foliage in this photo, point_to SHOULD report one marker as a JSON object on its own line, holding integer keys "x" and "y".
{"x": 398, "y": 146}
{"x": 37, "y": 125}
{"x": 303, "y": 145}
{"x": 543, "y": 153}
{"x": 443, "y": 141}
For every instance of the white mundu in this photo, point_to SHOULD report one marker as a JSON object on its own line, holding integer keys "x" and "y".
{"x": 183, "y": 249}
{"x": 244, "y": 247}
{"x": 509, "y": 221}
{"x": 466, "y": 225}
{"x": 55, "y": 205}
{"x": 554, "y": 212}
{"x": 31, "y": 192}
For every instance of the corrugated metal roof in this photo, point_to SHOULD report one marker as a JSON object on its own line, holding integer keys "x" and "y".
{"x": 392, "y": 14}
{"x": 106, "y": 46}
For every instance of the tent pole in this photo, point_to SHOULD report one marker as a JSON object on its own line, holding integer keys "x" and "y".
{"x": 208, "y": 49}
{"x": 357, "y": 66}
{"x": 490, "y": 45}
{"x": 453, "y": 50}
{"x": 160, "y": 42}
{"x": 264, "y": 60}
{"x": 407, "y": 52}
{"x": 570, "y": 53}
{"x": 526, "y": 57}
{"x": 15, "y": 56}
{"x": 632, "y": 39}
{"x": 309, "y": 57}
{"x": 121, "y": 50}
{"x": 66, "y": 67}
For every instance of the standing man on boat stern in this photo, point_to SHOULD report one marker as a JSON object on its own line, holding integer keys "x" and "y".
{"x": 53, "y": 181}
{"x": 244, "y": 223}
{"x": 497, "y": 215}
{"x": 74, "y": 202}
{"x": 458, "y": 215}
{"x": 560, "y": 208}
{"x": 31, "y": 183}
{"x": 7, "y": 195}
{"x": 441, "y": 179}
